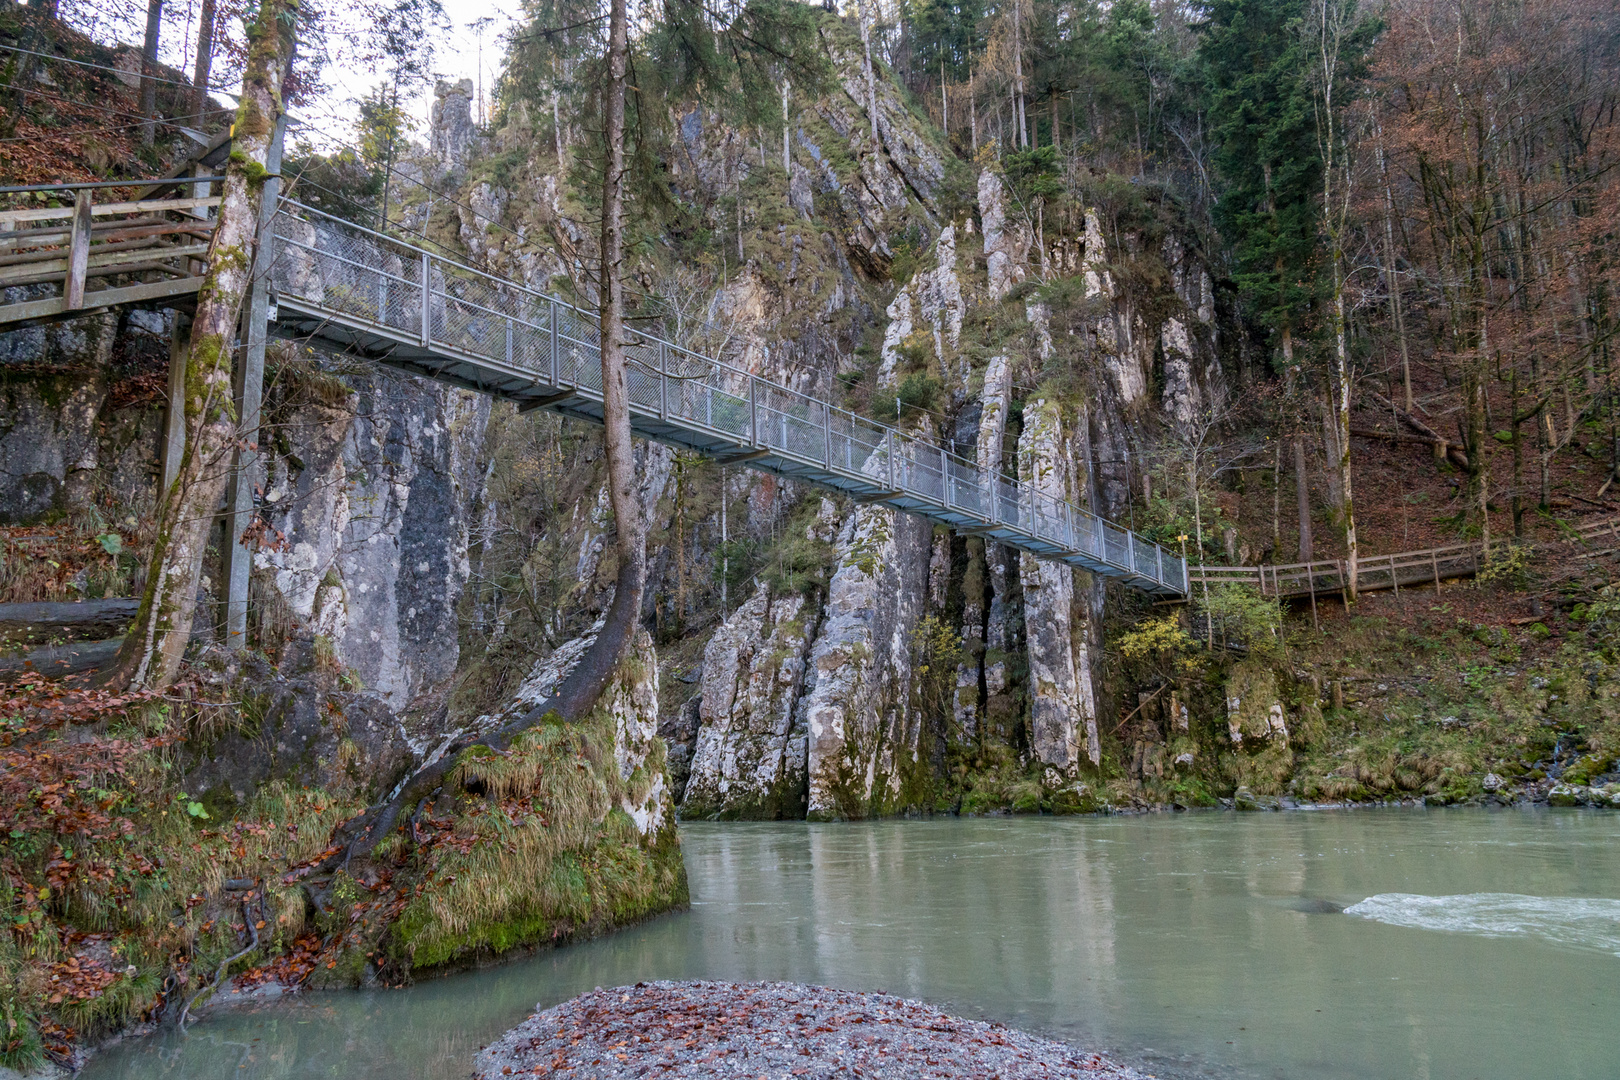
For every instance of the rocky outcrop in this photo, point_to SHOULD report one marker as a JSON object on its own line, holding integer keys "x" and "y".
{"x": 374, "y": 493}
{"x": 864, "y": 738}
{"x": 630, "y": 707}
{"x": 749, "y": 758}
{"x": 1006, "y": 242}
{"x": 72, "y": 435}
{"x": 1063, "y": 708}
{"x": 451, "y": 130}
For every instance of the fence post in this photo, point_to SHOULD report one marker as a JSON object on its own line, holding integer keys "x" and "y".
{"x": 663, "y": 379}
{"x": 556, "y": 376}
{"x": 427, "y": 300}
{"x": 78, "y": 253}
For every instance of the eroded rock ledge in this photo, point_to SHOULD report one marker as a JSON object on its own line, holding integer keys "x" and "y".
{"x": 716, "y": 1029}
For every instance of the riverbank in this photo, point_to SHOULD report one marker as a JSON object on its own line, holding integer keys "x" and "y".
{"x": 719, "y": 1029}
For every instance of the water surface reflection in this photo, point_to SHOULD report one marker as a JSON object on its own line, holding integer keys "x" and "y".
{"x": 1197, "y": 945}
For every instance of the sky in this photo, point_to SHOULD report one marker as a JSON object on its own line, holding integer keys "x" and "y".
{"x": 329, "y": 121}
{"x": 456, "y": 55}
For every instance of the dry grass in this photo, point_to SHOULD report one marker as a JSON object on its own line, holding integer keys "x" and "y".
{"x": 546, "y": 853}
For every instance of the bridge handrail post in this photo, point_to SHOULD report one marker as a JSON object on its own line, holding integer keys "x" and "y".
{"x": 753, "y": 411}
{"x": 1158, "y": 564}
{"x": 826, "y": 431}
{"x": 888, "y": 454}
{"x": 1130, "y": 551}
{"x": 663, "y": 379}
{"x": 427, "y": 299}
{"x": 944, "y": 479}
{"x": 556, "y": 360}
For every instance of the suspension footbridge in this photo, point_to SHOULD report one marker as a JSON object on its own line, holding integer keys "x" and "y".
{"x": 352, "y": 291}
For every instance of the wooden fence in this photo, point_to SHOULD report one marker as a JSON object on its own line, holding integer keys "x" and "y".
{"x": 101, "y": 255}
{"x": 1374, "y": 573}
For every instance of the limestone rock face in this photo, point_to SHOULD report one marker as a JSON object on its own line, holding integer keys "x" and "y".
{"x": 1006, "y": 243}
{"x": 375, "y": 500}
{"x": 863, "y": 736}
{"x": 1063, "y": 710}
{"x": 749, "y": 759}
{"x": 51, "y": 421}
{"x": 931, "y": 303}
{"x": 310, "y": 732}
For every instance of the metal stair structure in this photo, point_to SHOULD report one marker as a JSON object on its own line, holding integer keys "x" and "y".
{"x": 351, "y": 291}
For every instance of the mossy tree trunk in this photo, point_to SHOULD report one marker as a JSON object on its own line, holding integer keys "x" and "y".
{"x": 151, "y": 654}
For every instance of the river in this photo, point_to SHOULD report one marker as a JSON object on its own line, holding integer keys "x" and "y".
{"x": 1479, "y": 944}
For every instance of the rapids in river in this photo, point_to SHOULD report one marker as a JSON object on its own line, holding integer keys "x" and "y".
{"x": 1312, "y": 945}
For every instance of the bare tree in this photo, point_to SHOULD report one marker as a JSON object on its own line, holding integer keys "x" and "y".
{"x": 205, "y": 58}
{"x": 154, "y": 23}
{"x": 1328, "y": 26}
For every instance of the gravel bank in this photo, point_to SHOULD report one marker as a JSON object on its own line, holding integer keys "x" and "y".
{"x": 774, "y": 1030}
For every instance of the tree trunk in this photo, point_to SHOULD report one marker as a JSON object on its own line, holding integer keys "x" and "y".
{"x": 154, "y": 23}
{"x": 1307, "y": 549}
{"x": 787, "y": 158}
{"x": 205, "y": 60}
{"x": 1302, "y": 489}
{"x": 583, "y": 686}
{"x": 1018, "y": 75}
{"x": 1389, "y": 273}
{"x": 150, "y": 657}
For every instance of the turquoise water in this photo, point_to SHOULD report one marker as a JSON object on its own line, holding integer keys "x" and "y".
{"x": 1478, "y": 944}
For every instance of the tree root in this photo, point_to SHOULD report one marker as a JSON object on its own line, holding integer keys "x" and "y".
{"x": 224, "y": 967}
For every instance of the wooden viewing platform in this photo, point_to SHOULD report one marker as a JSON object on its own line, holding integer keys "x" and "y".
{"x": 101, "y": 255}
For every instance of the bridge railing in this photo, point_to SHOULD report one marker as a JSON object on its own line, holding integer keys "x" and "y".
{"x": 456, "y": 310}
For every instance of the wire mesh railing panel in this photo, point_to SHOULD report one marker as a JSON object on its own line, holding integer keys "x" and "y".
{"x": 1114, "y": 546}
{"x": 964, "y": 490}
{"x": 1009, "y": 510}
{"x": 1088, "y": 537}
{"x": 1146, "y": 559}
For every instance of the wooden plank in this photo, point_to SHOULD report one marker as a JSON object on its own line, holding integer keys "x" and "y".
{"x": 52, "y": 306}
{"x": 99, "y": 265}
{"x": 79, "y": 620}
{"x": 142, "y": 240}
{"x": 78, "y": 258}
{"x": 63, "y": 213}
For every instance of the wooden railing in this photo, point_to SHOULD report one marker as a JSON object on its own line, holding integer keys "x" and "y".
{"x": 99, "y": 255}
{"x": 1374, "y": 573}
